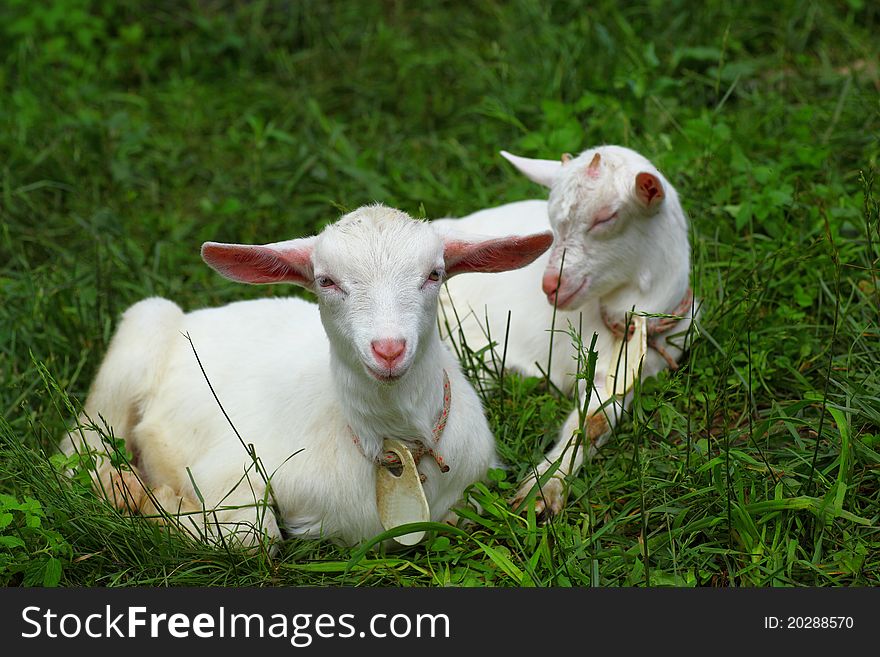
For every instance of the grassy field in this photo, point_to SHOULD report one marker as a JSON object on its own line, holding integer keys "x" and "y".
{"x": 132, "y": 132}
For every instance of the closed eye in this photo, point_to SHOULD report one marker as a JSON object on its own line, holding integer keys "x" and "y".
{"x": 603, "y": 219}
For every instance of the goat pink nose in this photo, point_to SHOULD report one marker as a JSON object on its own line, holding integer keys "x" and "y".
{"x": 550, "y": 283}
{"x": 388, "y": 350}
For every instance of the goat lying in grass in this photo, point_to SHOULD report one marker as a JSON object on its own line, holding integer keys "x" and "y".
{"x": 620, "y": 243}
{"x": 315, "y": 402}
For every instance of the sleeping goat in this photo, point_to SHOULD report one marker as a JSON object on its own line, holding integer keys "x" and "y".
{"x": 620, "y": 245}
{"x": 317, "y": 393}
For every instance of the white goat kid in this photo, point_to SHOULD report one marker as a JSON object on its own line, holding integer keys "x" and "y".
{"x": 315, "y": 402}
{"x": 620, "y": 243}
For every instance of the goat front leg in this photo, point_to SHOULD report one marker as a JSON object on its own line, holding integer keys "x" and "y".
{"x": 567, "y": 457}
{"x": 126, "y": 490}
{"x": 244, "y": 515}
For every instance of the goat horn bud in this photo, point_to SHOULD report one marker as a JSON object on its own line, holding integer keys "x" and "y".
{"x": 593, "y": 166}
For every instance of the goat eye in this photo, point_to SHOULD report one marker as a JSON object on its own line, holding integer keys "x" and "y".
{"x": 325, "y": 281}
{"x": 604, "y": 219}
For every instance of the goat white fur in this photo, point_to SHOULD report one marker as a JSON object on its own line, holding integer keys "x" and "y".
{"x": 624, "y": 237}
{"x": 297, "y": 391}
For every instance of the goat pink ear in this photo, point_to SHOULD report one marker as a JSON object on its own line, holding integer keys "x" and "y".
{"x": 649, "y": 189}
{"x": 494, "y": 254}
{"x": 543, "y": 172}
{"x": 282, "y": 262}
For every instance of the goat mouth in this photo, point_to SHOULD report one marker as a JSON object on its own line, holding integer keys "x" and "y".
{"x": 385, "y": 376}
{"x": 565, "y": 302}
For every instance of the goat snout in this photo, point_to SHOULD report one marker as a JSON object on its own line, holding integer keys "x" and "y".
{"x": 388, "y": 351}
{"x": 550, "y": 284}
{"x": 564, "y": 292}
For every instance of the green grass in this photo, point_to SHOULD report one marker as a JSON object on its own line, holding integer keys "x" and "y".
{"x": 131, "y": 133}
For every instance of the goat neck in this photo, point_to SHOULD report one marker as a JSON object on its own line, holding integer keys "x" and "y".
{"x": 659, "y": 278}
{"x": 406, "y": 409}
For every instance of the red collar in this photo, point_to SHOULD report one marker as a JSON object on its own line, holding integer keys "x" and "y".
{"x": 390, "y": 460}
{"x": 656, "y": 326}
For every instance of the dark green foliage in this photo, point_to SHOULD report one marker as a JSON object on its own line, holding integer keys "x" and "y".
{"x": 132, "y": 132}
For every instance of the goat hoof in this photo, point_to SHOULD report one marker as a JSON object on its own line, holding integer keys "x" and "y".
{"x": 121, "y": 488}
{"x": 548, "y": 501}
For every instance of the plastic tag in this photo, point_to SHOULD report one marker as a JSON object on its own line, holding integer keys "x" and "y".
{"x": 626, "y": 358}
{"x": 400, "y": 499}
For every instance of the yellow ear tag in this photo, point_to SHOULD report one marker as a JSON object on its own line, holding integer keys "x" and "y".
{"x": 401, "y": 499}
{"x": 626, "y": 358}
